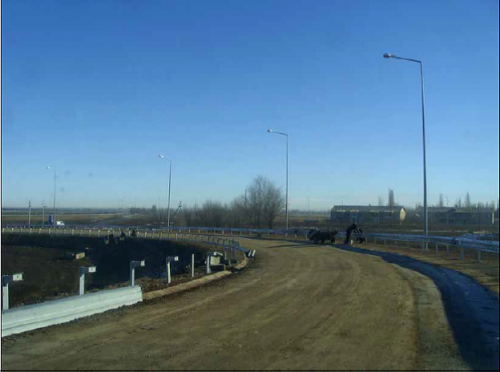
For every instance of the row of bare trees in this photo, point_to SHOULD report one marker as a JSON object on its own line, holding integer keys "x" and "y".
{"x": 258, "y": 207}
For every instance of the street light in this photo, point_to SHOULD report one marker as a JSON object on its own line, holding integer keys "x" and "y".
{"x": 286, "y": 205}
{"x": 169, "y": 185}
{"x": 54, "y": 212}
{"x": 388, "y": 55}
{"x": 43, "y": 213}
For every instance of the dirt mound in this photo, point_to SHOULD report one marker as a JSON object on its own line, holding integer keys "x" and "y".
{"x": 49, "y": 274}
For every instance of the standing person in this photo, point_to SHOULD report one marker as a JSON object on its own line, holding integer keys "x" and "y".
{"x": 349, "y": 231}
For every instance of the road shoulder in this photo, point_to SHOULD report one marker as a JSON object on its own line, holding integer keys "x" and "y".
{"x": 439, "y": 350}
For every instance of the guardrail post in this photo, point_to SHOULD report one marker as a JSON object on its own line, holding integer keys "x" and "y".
{"x": 170, "y": 259}
{"x": 208, "y": 271}
{"x": 447, "y": 250}
{"x": 437, "y": 247}
{"x": 385, "y": 242}
{"x": 133, "y": 265}
{"x": 99, "y": 233}
{"x": 83, "y": 271}
{"x": 461, "y": 253}
{"x": 6, "y": 280}
{"x": 5, "y": 295}
{"x": 192, "y": 266}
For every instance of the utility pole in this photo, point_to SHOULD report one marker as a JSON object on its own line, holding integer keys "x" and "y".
{"x": 29, "y": 214}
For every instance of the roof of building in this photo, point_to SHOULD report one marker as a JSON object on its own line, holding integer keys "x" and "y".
{"x": 366, "y": 208}
{"x": 455, "y": 210}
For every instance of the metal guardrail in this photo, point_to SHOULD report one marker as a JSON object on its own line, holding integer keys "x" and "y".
{"x": 161, "y": 234}
{"x": 193, "y": 234}
{"x": 477, "y": 245}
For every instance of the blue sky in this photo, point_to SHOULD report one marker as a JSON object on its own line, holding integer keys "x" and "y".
{"x": 97, "y": 89}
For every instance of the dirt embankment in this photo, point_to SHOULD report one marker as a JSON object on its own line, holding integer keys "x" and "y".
{"x": 49, "y": 274}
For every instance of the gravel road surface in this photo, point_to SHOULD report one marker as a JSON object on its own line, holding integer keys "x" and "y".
{"x": 297, "y": 306}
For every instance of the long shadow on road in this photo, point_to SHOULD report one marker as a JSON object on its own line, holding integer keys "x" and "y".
{"x": 472, "y": 309}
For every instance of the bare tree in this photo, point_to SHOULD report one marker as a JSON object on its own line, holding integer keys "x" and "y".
{"x": 391, "y": 202}
{"x": 265, "y": 201}
{"x": 380, "y": 201}
{"x": 274, "y": 202}
{"x": 468, "y": 203}
{"x": 187, "y": 217}
{"x": 213, "y": 214}
{"x": 239, "y": 212}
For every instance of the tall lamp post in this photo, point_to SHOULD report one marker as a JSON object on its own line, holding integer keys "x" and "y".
{"x": 54, "y": 212}
{"x": 43, "y": 213}
{"x": 169, "y": 185}
{"x": 388, "y": 55}
{"x": 286, "y": 205}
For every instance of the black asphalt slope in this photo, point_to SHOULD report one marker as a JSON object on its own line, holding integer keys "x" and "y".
{"x": 472, "y": 310}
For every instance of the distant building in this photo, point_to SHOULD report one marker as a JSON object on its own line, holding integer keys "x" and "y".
{"x": 367, "y": 214}
{"x": 459, "y": 216}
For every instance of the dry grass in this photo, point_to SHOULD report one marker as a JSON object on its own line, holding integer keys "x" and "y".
{"x": 484, "y": 272}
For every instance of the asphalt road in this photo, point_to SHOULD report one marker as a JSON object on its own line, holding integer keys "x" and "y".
{"x": 297, "y": 306}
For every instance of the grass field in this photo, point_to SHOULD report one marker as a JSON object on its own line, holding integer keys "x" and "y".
{"x": 78, "y": 218}
{"x": 295, "y": 221}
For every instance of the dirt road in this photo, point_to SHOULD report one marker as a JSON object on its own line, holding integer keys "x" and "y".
{"x": 296, "y": 306}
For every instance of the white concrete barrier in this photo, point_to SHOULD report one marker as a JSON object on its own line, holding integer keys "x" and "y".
{"x": 48, "y": 313}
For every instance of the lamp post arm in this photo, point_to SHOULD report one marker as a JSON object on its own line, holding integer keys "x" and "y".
{"x": 407, "y": 59}
{"x": 283, "y": 134}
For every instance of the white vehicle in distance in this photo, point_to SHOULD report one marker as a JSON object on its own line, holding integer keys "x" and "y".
{"x": 60, "y": 223}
